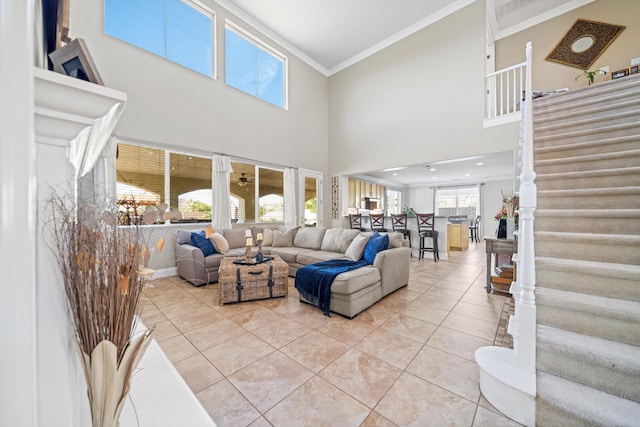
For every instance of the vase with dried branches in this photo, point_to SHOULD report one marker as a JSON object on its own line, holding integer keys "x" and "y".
{"x": 100, "y": 265}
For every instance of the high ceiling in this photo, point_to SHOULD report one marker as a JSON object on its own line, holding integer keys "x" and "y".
{"x": 333, "y": 34}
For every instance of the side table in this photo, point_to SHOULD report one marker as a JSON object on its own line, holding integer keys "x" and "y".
{"x": 498, "y": 246}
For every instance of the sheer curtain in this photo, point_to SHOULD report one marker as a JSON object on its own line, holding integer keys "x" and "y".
{"x": 290, "y": 197}
{"x": 221, "y": 181}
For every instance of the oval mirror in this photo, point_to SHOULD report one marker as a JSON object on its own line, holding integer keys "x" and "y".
{"x": 582, "y": 44}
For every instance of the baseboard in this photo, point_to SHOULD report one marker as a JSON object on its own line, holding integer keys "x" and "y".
{"x": 165, "y": 272}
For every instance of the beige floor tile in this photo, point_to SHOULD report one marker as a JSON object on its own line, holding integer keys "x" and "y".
{"x": 458, "y": 343}
{"x": 409, "y": 327}
{"x": 479, "y": 312}
{"x": 345, "y": 330}
{"x": 444, "y": 292}
{"x": 492, "y": 300}
{"x": 318, "y": 403}
{"x": 315, "y": 350}
{"x": 260, "y": 422}
{"x": 268, "y": 381}
{"x": 373, "y": 316}
{"x": 238, "y": 352}
{"x": 254, "y": 319}
{"x": 412, "y": 401}
{"x": 163, "y": 330}
{"x": 214, "y": 334}
{"x": 452, "y": 373}
{"x": 197, "y": 319}
{"x": 177, "y": 348}
{"x": 192, "y": 306}
{"x": 430, "y": 301}
{"x": 281, "y": 332}
{"x": 198, "y": 372}
{"x": 389, "y": 347}
{"x": 472, "y": 326}
{"x": 431, "y": 315}
{"x": 171, "y": 297}
{"x": 310, "y": 316}
{"x": 362, "y": 376}
{"x": 487, "y": 418}
{"x": 376, "y": 420}
{"x": 226, "y": 406}
{"x": 456, "y": 286}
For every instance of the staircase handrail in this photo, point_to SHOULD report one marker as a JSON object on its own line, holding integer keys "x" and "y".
{"x": 504, "y": 90}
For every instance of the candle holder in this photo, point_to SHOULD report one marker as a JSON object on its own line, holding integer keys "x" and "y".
{"x": 260, "y": 255}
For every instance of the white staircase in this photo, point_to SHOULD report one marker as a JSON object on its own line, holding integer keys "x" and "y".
{"x": 587, "y": 246}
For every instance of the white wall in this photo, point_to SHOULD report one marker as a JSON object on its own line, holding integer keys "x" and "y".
{"x": 170, "y": 105}
{"x": 417, "y": 101}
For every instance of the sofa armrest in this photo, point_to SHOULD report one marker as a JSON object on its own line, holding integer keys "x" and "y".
{"x": 190, "y": 264}
{"x": 394, "y": 268}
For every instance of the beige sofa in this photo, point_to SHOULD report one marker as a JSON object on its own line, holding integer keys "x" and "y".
{"x": 351, "y": 292}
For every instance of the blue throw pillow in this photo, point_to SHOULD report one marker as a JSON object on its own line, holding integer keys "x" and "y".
{"x": 200, "y": 241}
{"x": 376, "y": 244}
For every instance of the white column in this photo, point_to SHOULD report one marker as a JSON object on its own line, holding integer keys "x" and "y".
{"x": 18, "y": 369}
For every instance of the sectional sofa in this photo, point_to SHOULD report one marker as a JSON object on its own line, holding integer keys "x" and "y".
{"x": 351, "y": 292}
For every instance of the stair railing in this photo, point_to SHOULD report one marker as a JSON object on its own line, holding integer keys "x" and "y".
{"x": 522, "y": 326}
{"x": 504, "y": 89}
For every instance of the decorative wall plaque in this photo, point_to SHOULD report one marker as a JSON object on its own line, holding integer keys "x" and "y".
{"x": 584, "y": 43}
{"x": 335, "y": 197}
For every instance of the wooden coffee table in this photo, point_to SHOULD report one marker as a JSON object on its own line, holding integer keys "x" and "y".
{"x": 248, "y": 282}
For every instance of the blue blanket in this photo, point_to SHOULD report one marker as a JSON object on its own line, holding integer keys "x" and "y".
{"x": 314, "y": 281}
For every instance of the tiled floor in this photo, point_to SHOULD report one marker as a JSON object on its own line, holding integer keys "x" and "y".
{"x": 406, "y": 361}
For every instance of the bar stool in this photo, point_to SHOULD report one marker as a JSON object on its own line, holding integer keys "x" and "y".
{"x": 399, "y": 225}
{"x": 426, "y": 230}
{"x": 473, "y": 229}
{"x": 377, "y": 222}
{"x": 355, "y": 221}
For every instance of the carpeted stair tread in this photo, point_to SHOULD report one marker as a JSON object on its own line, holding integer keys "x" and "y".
{"x": 591, "y": 238}
{"x": 589, "y": 213}
{"x": 589, "y": 158}
{"x": 594, "y": 268}
{"x": 586, "y": 192}
{"x": 599, "y": 143}
{"x": 612, "y": 118}
{"x": 589, "y": 174}
{"x": 612, "y": 308}
{"x": 591, "y": 132}
{"x": 594, "y": 105}
{"x": 597, "y": 351}
{"x": 582, "y": 405}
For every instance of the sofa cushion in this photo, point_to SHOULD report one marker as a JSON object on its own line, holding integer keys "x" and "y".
{"x": 183, "y": 237}
{"x": 213, "y": 261}
{"x": 375, "y": 244}
{"x": 313, "y": 257}
{"x": 352, "y": 281}
{"x": 283, "y": 238}
{"x": 198, "y": 240}
{"x": 338, "y": 239}
{"x": 309, "y": 237}
{"x": 219, "y": 243}
{"x": 356, "y": 248}
{"x": 235, "y": 238}
{"x": 288, "y": 254}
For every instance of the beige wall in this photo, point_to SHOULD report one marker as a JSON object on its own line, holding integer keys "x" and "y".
{"x": 172, "y": 106}
{"x": 419, "y": 100}
{"x": 549, "y": 75}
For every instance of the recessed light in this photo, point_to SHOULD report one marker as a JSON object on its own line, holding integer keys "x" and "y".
{"x": 432, "y": 169}
{"x": 392, "y": 169}
{"x": 435, "y": 177}
{"x": 480, "y": 163}
{"x": 395, "y": 174}
{"x": 190, "y": 158}
{"x": 173, "y": 168}
{"x": 467, "y": 174}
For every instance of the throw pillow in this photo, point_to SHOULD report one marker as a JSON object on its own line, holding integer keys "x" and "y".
{"x": 220, "y": 244}
{"x": 283, "y": 238}
{"x": 376, "y": 244}
{"x": 356, "y": 248}
{"x": 200, "y": 241}
{"x": 183, "y": 237}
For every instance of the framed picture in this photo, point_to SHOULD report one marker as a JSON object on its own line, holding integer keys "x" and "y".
{"x": 584, "y": 43}
{"x": 620, "y": 73}
{"x": 74, "y": 60}
{"x": 634, "y": 69}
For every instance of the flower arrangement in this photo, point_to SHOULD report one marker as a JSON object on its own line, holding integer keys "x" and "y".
{"x": 510, "y": 203}
{"x": 103, "y": 274}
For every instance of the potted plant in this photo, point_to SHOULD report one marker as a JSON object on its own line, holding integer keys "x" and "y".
{"x": 590, "y": 75}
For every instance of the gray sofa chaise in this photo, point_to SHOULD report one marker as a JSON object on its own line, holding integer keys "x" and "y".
{"x": 351, "y": 292}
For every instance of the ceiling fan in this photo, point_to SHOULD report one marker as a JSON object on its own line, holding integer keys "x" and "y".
{"x": 243, "y": 180}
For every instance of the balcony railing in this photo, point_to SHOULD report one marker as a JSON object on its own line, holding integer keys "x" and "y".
{"x": 504, "y": 92}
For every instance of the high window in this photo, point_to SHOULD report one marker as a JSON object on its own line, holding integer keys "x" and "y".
{"x": 179, "y": 30}
{"x": 254, "y": 67}
{"x": 457, "y": 201}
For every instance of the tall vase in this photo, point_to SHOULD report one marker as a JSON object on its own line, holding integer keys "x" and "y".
{"x": 108, "y": 382}
{"x": 502, "y": 229}
{"x": 511, "y": 228}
